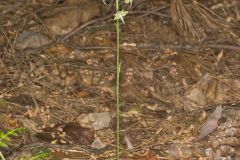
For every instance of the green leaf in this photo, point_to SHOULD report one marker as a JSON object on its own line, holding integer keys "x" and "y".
{"x": 40, "y": 156}
{"x": 128, "y": 1}
{"x": 3, "y": 145}
{"x": 120, "y": 15}
{"x": 13, "y": 134}
{"x": 6, "y": 137}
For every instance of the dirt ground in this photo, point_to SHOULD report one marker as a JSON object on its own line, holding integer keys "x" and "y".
{"x": 180, "y": 79}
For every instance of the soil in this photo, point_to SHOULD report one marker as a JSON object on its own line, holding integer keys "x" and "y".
{"x": 180, "y": 62}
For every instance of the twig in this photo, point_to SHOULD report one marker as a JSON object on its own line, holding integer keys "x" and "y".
{"x": 155, "y": 10}
{"x": 154, "y": 46}
{"x": 91, "y": 22}
{"x": 65, "y": 147}
{"x": 187, "y": 46}
{"x": 149, "y": 12}
{"x": 107, "y": 17}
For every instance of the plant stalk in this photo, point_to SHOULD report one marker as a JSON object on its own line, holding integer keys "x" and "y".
{"x": 1, "y": 156}
{"x": 118, "y": 69}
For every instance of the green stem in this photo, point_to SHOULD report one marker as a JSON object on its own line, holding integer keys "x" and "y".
{"x": 118, "y": 69}
{"x": 1, "y": 156}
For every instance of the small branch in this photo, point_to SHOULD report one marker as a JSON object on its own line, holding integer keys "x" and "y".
{"x": 82, "y": 27}
{"x": 148, "y": 12}
{"x": 154, "y": 46}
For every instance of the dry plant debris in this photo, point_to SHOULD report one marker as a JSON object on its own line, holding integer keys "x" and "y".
{"x": 225, "y": 142}
{"x": 180, "y": 62}
{"x": 211, "y": 123}
{"x": 71, "y": 133}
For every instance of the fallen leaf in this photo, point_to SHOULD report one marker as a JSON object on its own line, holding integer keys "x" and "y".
{"x": 211, "y": 124}
{"x": 208, "y": 90}
{"x": 28, "y": 123}
{"x": 67, "y": 133}
{"x": 97, "y": 143}
{"x": 149, "y": 155}
{"x": 29, "y": 39}
{"x": 128, "y": 142}
{"x": 96, "y": 120}
{"x": 65, "y": 18}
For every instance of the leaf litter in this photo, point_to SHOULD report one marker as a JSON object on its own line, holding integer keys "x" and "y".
{"x": 180, "y": 100}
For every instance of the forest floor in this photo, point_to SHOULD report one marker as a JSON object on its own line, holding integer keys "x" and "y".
{"x": 180, "y": 79}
